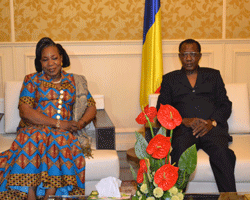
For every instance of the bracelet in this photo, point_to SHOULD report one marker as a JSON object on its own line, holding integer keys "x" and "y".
{"x": 58, "y": 123}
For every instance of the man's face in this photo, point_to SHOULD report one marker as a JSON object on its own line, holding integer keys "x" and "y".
{"x": 189, "y": 56}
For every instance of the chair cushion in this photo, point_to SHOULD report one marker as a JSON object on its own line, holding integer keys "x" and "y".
{"x": 103, "y": 164}
{"x": 6, "y": 141}
{"x": 241, "y": 148}
{"x": 11, "y": 112}
{"x": 239, "y": 121}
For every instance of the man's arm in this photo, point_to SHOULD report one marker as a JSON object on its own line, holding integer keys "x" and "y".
{"x": 165, "y": 93}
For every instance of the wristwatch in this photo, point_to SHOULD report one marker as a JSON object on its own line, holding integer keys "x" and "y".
{"x": 214, "y": 123}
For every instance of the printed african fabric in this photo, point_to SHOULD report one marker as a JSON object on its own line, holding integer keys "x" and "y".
{"x": 42, "y": 156}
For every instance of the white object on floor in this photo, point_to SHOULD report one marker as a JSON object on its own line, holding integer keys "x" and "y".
{"x": 109, "y": 187}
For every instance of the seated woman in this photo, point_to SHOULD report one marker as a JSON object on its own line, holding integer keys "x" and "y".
{"x": 46, "y": 158}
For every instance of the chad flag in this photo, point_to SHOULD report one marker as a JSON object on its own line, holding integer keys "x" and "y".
{"x": 152, "y": 67}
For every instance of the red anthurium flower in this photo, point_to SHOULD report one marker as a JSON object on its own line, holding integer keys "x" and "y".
{"x": 159, "y": 146}
{"x": 151, "y": 112}
{"x": 169, "y": 117}
{"x": 166, "y": 176}
{"x": 143, "y": 168}
{"x": 141, "y": 119}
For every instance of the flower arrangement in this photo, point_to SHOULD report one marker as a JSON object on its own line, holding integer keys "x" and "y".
{"x": 156, "y": 177}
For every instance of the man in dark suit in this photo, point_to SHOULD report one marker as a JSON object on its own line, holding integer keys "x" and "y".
{"x": 199, "y": 95}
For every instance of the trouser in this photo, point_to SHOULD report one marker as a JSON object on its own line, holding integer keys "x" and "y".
{"x": 222, "y": 159}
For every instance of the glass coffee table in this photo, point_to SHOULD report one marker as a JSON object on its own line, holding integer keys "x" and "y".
{"x": 65, "y": 197}
{"x": 221, "y": 196}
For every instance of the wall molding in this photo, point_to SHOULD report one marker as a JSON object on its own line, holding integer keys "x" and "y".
{"x": 237, "y": 53}
{"x": 2, "y": 78}
{"x": 28, "y": 57}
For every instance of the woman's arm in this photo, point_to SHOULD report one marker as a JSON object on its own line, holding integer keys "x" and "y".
{"x": 87, "y": 117}
{"x": 27, "y": 113}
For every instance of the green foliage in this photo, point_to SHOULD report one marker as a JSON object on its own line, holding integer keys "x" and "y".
{"x": 133, "y": 172}
{"x": 156, "y": 163}
{"x": 183, "y": 179}
{"x": 162, "y": 131}
{"x": 187, "y": 164}
{"x": 188, "y": 160}
{"x": 140, "y": 146}
{"x": 135, "y": 198}
{"x": 166, "y": 195}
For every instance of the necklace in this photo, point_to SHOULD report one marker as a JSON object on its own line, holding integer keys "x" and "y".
{"x": 57, "y": 81}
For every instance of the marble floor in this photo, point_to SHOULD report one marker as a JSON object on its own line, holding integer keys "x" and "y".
{"x": 125, "y": 172}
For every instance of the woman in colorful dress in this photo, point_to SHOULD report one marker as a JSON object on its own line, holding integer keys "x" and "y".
{"x": 46, "y": 158}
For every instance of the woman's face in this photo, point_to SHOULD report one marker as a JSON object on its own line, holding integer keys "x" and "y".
{"x": 51, "y": 62}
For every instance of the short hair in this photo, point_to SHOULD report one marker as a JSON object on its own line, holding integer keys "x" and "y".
{"x": 47, "y": 42}
{"x": 190, "y": 41}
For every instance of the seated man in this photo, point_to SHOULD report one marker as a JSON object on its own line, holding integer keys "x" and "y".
{"x": 199, "y": 95}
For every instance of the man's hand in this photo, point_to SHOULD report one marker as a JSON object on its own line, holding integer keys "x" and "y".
{"x": 200, "y": 126}
{"x": 190, "y": 122}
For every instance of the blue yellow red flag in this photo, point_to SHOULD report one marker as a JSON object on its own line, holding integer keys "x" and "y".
{"x": 152, "y": 64}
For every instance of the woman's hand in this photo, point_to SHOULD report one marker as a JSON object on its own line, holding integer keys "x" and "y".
{"x": 81, "y": 124}
{"x": 88, "y": 116}
{"x": 70, "y": 126}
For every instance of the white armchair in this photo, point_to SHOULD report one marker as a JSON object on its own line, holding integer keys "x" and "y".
{"x": 105, "y": 161}
{"x": 202, "y": 180}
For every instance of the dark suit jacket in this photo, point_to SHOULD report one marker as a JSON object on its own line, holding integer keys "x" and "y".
{"x": 207, "y": 100}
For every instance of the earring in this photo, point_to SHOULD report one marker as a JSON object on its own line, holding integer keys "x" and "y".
{"x": 61, "y": 64}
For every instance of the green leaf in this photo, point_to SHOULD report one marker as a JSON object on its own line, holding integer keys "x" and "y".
{"x": 145, "y": 178}
{"x": 162, "y": 131}
{"x": 140, "y": 146}
{"x": 151, "y": 188}
{"x": 135, "y": 198}
{"x": 166, "y": 195}
{"x": 143, "y": 197}
{"x": 152, "y": 164}
{"x": 188, "y": 160}
{"x": 182, "y": 180}
{"x": 133, "y": 172}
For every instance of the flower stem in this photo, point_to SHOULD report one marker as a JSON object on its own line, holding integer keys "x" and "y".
{"x": 183, "y": 181}
{"x": 150, "y": 126}
{"x": 171, "y": 134}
